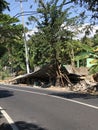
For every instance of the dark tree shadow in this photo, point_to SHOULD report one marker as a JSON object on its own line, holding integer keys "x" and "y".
{"x": 21, "y": 125}
{"x": 28, "y": 126}
{"x": 71, "y": 95}
{"x": 5, "y": 93}
{"x": 5, "y": 126}
{"x": 0, "y": 115}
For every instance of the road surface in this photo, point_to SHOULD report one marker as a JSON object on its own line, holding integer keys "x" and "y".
{"x": 39, "y": 109}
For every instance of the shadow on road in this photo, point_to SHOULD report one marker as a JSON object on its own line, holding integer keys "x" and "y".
{"x": 21, "y": 125}
{"x": 0, "y": 115}
{"x": 28, "y": 126}
{"x": 5, "y": 126}
{"x": 5, "y": 93}
{"x": 71, "y": 95}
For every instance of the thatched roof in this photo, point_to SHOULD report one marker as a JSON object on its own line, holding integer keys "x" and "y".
{"x": 46, "y": 72}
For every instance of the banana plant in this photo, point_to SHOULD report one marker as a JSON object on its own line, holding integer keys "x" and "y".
{"x": 89, "y": 52}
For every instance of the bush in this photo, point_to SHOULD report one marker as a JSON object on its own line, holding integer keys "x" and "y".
{"x": 4, "y": 74}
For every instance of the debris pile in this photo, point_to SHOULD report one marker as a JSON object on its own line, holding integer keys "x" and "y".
{"x": 77, "y": 79}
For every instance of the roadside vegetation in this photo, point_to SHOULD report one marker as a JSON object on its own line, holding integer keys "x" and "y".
{"x": 54, "y": 41}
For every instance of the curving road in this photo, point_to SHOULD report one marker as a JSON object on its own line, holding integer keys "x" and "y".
{"x": 39, "y": 109}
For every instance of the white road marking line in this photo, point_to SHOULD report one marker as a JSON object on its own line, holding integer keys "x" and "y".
{"x": 8, "y": 118}
{"x": 78, "y": 102}
{"x": 66, "y": 99}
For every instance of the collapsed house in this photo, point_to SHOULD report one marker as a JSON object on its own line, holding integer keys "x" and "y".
{"x": 42, "y": 76}
{"x": 46, "y": 75}
{"x": 49, "y": 75}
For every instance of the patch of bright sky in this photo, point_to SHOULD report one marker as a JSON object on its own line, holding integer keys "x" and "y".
{"x": 15, "y": 9}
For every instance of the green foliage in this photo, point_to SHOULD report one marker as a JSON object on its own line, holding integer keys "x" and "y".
{"x": 86, "y": 47}
{"x": 95, "y": 39}
{"x": 4, "y": 74}
{"x": 91, "y": 5}
{"x": 11, "y": 44}
{"x": 82, "y": 55}
{"x": 39, "y": 50}
{"x": 8, "y": 28}
{"x": 53, "y": 41}
{"x": 2, "y": 50}
{"x": 94, "y": 68}
{"x": 3, "y": 5}
{"x": 89, "y": 49}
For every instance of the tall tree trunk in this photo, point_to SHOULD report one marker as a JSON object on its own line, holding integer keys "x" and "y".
{"x": 61, "y": 78}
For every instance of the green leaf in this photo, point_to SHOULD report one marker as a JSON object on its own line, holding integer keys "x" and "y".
{"x": 87, "y": 47}
{"x": 82, "y": 56}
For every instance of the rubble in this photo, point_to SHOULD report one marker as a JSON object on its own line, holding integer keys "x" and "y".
{"x": 47, "y": 76}
{"x": 95, "y": 77}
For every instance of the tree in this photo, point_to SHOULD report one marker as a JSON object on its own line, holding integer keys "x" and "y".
{"x": 49, "y": 44}
{"x": 12, "y": 54}
{"x": 12, "y": 44}
{"x": 94, "y": 68}
{"x": 3, "y": 5}
{"x": 39, "y": 50}
{"x": 95, "y": 39}
{"x": 53, "y": 17}
{"x": 89, "y": 49}
{"x": 91, "y": 5}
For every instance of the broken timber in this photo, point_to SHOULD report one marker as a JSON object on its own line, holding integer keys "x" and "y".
{"x": 46, "y": 75}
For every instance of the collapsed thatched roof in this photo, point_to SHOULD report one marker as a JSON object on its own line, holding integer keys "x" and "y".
{"x": 46, "y": 72}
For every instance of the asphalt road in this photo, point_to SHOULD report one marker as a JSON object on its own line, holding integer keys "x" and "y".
{"x": 39, "y": 109}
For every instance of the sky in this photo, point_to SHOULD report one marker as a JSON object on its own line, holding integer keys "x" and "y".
{"x": 15, "y": 6}
{"x": 15, "y": 9}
